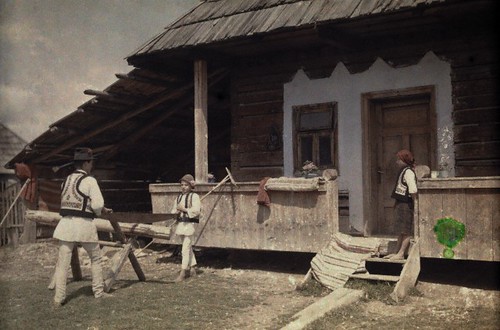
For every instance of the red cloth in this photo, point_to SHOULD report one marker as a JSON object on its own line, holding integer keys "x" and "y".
{"x": 407, "y": 157}
{"x": 263, "y": 196}
{"x": 24, "y": 172}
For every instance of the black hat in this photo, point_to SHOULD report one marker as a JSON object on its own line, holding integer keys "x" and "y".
{"x": 83, "y": 154}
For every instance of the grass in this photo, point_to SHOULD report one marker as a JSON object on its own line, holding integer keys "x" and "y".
{"x": 187, "y": 305}
{"x": 354, "y": 317}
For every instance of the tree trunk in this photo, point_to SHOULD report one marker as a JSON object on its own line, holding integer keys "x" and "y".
{"x": 139, "y": 229}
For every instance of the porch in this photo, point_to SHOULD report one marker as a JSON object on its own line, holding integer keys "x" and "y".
{"x": 304, "y": 220}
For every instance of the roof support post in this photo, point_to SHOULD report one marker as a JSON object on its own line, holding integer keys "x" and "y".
{"x": 200, "y": 121}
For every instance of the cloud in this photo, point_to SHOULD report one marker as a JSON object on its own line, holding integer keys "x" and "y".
{"x": 52, "y": 50}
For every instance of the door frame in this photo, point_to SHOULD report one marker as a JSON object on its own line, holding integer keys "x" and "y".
{"x": 369, "y": 180}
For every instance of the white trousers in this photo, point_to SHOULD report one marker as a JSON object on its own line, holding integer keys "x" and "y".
{"x": 63, "y": 264}
{"x": 188, "y": 258}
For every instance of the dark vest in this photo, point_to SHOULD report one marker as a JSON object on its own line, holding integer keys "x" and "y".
{"x": 183, "y": 217}
{"x": 73, "y": 201}
{"x": 401, "y": 192}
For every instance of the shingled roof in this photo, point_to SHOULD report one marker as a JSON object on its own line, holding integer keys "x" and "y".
{"x": 150, "y": 104}
{"x": 222, "y": 20}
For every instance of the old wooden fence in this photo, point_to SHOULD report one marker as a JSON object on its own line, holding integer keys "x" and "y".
{"x": 12, "y": 227}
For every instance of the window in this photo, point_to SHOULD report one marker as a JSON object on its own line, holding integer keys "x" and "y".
{"x": 315, "y": 135}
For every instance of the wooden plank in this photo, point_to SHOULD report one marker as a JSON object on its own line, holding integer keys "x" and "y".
{"x": 482, "y": 150}
{"x": 111, "y": 244}
{"x": 409, "y": 275}
{"x": 476, "y": 133}
{"x": 339, "y": 298}
{"x": 138, "y": 217}
{"x": 375, "y": 277}
{"x": 479, "y": 228}
{"x": 291, "y": 223}
{"x": 475, "y": 116}
{"x": 430, "y": 210}
{"x": 383, "y": 260}
{"x": 453, "y": 206}
{"x": 460, "y": 183}
{"x": 117, "y": 262}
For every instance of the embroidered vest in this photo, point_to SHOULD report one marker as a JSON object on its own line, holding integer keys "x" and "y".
{"x": 183, "y": 216}
{"x": 73, "y": 201}
{"x": 401, "y": 191}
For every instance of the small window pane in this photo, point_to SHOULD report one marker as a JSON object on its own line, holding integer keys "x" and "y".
{"x": 325, "y": 152}
{"x": 315, "y": 120}
{"x": 306, "y": 148}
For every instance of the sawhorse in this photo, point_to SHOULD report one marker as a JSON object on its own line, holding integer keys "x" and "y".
{"x": 117, "y": 261}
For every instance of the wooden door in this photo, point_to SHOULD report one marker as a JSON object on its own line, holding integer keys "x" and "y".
{"x": 401, "y": 122}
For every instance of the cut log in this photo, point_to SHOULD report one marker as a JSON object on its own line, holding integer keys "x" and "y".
{"x": 135, "y": 217}
{"x": 153, "y": 231}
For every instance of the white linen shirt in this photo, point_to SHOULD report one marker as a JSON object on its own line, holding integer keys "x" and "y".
{"x": 79, "y": 229}
{"x": 194, "y": 210}
{"x": 410, "y": 180}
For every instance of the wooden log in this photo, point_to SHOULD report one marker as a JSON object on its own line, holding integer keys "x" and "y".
{"x": 117, "y": 262}
{"x": 153, "y": 231}
{"x": 131, "y": 256}
{"x": 201, "y": 121}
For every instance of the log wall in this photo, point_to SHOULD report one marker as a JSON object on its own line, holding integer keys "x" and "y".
{"x": 257, "y": 96}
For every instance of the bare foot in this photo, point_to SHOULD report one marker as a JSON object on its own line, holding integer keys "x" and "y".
{"x": 397, "y": 257}
{"x": 389, "y": 256}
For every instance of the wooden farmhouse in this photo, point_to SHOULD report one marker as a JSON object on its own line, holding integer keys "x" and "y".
{"x": 261, "y": 86}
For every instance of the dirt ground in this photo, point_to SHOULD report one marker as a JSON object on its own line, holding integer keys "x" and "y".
{"x": 246, "y": 290}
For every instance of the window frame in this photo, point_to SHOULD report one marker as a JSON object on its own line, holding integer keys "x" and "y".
{"x": 327, "y": 130}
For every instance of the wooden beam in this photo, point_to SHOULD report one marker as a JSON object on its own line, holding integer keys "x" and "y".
{"x": 146, "y": 80}
{"x": 121, "y": 119}
{"x": 138, "y": 229}
{"x": 143, "y": 131}
{"x": 111, "y": 97}
{"x": 200, "y": 121}
{"x": 217, "y": 76}
{"x": 338, "y": 38}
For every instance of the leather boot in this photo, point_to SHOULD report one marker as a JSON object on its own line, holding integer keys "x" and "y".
{"x": 182, "y": 276}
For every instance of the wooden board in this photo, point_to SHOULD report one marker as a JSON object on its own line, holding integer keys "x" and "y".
{"x": 409, "y": 275}
{"x": 295, "y": 221}
{"x": 475, "y": 202}
{"x": 137, "y": 217}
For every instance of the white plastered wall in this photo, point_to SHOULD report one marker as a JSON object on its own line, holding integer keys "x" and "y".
{"x": 346, "y": 89}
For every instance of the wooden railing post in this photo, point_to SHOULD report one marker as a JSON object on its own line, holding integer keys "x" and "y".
{"x": 200, "y": 121}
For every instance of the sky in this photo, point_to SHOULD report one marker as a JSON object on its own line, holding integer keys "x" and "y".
{"x": 53, "y": 50}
